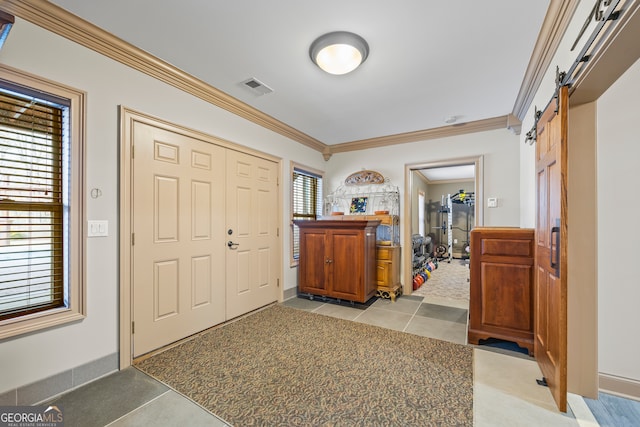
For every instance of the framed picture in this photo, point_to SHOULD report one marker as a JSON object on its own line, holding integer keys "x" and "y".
{"x": 358, "y": 205}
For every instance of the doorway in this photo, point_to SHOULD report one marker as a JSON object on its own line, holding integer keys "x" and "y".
{"x": 443, "y": 203}
{"x": 199, "y": 236}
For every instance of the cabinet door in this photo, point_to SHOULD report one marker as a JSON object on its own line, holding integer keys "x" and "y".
{"x": 388, "y": 265}
{"x": 383, "y": 276}
{"x": 506, "y": 297}
{"x": 313, "y": 271}
{"x": 346, "y": 263}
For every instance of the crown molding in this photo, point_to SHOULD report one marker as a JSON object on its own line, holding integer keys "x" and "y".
{"x": 63, "y": 23}
{"x": 501, "y": 122}
{"x": 555, "y": 24}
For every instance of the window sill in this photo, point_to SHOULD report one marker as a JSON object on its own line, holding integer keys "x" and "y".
{"x": 37, "y": 322}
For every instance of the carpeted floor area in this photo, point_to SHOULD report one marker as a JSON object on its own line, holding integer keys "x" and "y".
{"x": 449, "y": 280}
{"x": 283, "y": 366}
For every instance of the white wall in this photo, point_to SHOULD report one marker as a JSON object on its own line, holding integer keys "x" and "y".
{"x": 500, "y": 149}
{"x": 109, "y": 84}
{"x": 618, "y": 150}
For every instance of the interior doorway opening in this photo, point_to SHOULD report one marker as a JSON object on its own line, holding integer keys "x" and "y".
{"x": 443, "y": 203}
{"x": 450, "y": 214}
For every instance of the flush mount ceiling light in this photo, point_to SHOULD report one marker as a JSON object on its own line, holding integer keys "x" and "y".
{"x": 339, "y": 52}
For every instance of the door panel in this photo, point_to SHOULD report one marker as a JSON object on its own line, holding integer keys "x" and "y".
{"x": 551, "y": 256}
{"x": 252, "y": 258}
{"x": 178, "y": 210}
{"x": 347, "y": 268}
{"x": 315, "y": 270}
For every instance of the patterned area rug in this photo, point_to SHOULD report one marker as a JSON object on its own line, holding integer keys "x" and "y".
{"x": 287, "y": 367}
{"x": 449, "y": 280}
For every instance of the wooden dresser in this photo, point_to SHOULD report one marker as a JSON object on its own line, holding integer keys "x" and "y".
{"x": 338, "y": 259}
{"x": 502, "y": 285}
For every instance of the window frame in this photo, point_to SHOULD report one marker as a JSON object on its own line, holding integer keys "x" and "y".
{"x": 421, "y": 213}
{"x": 75, "y": 261}
{"x": 297, "y": 167}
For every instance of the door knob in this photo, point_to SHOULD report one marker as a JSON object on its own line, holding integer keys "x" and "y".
{"x": 232, "y": 245}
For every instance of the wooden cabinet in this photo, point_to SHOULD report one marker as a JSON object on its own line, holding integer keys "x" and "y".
{"x": 387, "y": 252}
{"x": 338, "y": 259}
{"x": 502, "y": 285}
{"x": 388, "y": 268}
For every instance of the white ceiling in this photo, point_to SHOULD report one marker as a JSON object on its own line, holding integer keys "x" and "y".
{"x": 449, "y": 173}
{"x": 428, "y": 60}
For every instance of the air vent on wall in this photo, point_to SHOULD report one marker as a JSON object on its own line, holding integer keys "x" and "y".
{"x": 257, "y": 86}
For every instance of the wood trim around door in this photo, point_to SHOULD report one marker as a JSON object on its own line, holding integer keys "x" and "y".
{"x": 478, "y": 162}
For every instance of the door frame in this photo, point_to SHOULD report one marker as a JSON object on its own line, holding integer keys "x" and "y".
{"x": 127, "y": 118}
{"x": 478, "y": 162}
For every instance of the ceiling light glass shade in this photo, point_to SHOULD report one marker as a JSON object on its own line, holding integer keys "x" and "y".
{"x": 339, "y": 52}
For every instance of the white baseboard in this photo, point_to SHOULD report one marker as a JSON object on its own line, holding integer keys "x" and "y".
{"x": 620, "y": 386}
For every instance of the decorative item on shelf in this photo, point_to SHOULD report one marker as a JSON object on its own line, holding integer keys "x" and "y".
{"x": 364, "y": 193}
{"x": 364, "y": 177}
{"x": 358, "y": 205}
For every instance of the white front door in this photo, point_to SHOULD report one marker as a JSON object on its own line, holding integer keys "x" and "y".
{"x": 178, "y": 226}
{"x": 252, "y": 233}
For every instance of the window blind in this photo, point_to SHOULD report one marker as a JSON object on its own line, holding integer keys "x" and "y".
{"x": 31, "y": 205}
{"x": 307, "y": 202}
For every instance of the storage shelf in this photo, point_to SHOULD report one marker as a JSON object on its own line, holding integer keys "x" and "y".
{"x": 377, "y": 198}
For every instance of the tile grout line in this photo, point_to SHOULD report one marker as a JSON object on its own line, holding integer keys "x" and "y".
{"x": 139, "y": 407}
{"x": 413, "y": 316}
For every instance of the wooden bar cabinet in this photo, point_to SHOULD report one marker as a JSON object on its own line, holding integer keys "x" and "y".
{"x": 338, "y": 259}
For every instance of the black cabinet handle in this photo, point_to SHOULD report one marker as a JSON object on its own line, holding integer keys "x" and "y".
{"x": 555, "y": 260}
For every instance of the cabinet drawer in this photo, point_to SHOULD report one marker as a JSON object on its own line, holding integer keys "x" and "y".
{"x": 386, "y": 253}
{"x": 383, "y": 253}
{"x": 508, "y": 247}
{"x": 384, "y": 219}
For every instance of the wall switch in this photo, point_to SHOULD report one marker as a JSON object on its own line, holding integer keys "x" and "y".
{"x": 98, "y": 229}
{"x": 492, "y": 202}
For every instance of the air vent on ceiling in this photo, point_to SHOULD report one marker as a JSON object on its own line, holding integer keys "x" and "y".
{"x": 257, "y": 86}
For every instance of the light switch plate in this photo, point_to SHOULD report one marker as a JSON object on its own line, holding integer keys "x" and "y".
{"x": 98, "y": 229}
{"x": 492, "y": 202}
